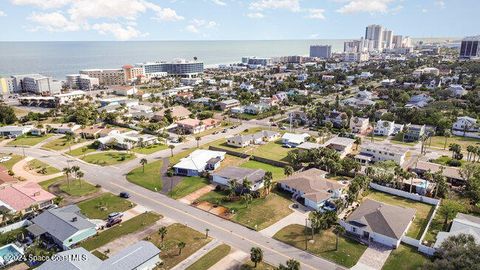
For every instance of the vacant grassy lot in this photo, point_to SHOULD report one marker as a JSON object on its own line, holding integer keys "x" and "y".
{"x": 187, "y": 186}
{"x": 260, "y": 213}
{"x": 101, "y": 206}
{"x": 29, "y": 140}
{"x": 277, "y": 172}
{"x": 423, "y": 210}
{"x": 177, "y": 233}
{"x": 108, "y": 158}
{"x": 150, "y": 178}
{"x": 132, "y": 225}
{"x": 405, "y": 258}
{"x": 9, "y": 164}
{"x": 37, "y": 166}
{"x": 150, "y": 149}
{"x": 80, "y": 151}
{"x": 271, "y": 150}
{"x": 211, "y": 258}
{"x": 439, "y": 141}
{"x": 348, "y": 253}
{"x": 77, "y": 187}
{"x": 62, "y": 143}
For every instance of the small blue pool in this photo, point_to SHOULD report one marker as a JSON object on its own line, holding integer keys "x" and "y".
{"x": 9, "y": 254}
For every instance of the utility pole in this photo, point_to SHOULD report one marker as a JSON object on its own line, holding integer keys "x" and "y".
{"x": 306, "y": 234}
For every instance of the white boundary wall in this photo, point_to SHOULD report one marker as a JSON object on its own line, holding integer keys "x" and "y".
{"x": 15, "y": 226}
{"x": 467, "y": 134}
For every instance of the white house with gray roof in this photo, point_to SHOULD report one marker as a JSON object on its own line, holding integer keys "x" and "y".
{"x": 378, "y": 222}
{"x": 256, "y": 138}
{"x": 237, "y": 174}
{"x": 462, "y": 224}
{"x": 375, "y": 152}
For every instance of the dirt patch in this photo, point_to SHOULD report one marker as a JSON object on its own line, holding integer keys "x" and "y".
{"x": 214, "y": 209}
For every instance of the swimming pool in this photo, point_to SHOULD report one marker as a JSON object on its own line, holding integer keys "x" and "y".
{"x": 9, "y": 254}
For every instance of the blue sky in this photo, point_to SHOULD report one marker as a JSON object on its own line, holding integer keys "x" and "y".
{"x": 38, "y": 20}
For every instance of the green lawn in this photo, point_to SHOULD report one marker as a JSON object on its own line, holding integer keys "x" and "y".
{"x": 78, "y": 187}
{"x": 100, "y": 255}
{"x": 62, "y": 143}
{"x": 211, "y": 258}
{"x": 101, "y": 206}
{"x": 439, "y": 141}
{"x": 130, "y": 226}
{"x": 79, "y": 151}
{"x": 249, "y": 265}
{"x": 261, "y": 212}
{"x": 399, "y": 140}
{"x": 36, "y": 166}
{"x": 29, "y": 140}
{"x": 176, "y": 158}
{"x": 271, "y": 150}
{"x": 187, "y": 186}
{"x": 443, "y": 160}
{"x": 108, "y": 158}
{"x": 9, "y": 164}
{"x": 277, "y": 172}
{"x": 150, "y": 149}
{"x": 422, "y": 214}
{"x": 348, "y": 253}
{"x": 405, "y": 258}
{"x": 150, "y": 179}
{"x": 177, "y": 233}
{"x": 47, "y": 183}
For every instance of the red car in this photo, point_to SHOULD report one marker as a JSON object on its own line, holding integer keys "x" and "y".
{"x": 113, "y": 222}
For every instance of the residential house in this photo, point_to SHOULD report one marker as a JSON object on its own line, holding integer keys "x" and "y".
{"x": 91, "y": 132}
{"x": 299, "y": 117}
{"x": 25, "y": 197}
{"x": 194, "y": 126}
{"x": 125, "y": 90}
{"x": 14, "y": 131}
{"x": 379, "y": 222}
{"x": 5, "y": 177}
{"x": 312, "y": 188}
{"x": 226, "y": 105}
{"x": 384, "y": 128}
{"x": 142, "y": 255}
{"x": 457, "y": 90}
{"x": 338, "y": 119}
{"x": 414, "y": 133}
{"x": 343, "y": 146}
{"x": 256, "y": 138}
{"x": 237, "y": 174}
{"x": 359, "y": 125}
{"x": 199, "y": 161}
{"x": 452, "y": 174}
{"x": 461, "y": 224}
{"x": 418, "y": 101}
{"x": 126, "y": 140}
{"x": 281, "y": 96}
{"x": 64, "y": 128}
{"x": 66, "y": 226}
{"x": 256, "y": 108}
{"x": 293, "y": 140}
{"x": 376, "y": 152}
{"x": 466, "y": 124}
{"x": 177, "y": 113}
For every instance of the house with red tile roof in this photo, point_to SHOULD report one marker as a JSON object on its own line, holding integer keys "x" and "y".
{"x": 24, "y": 197}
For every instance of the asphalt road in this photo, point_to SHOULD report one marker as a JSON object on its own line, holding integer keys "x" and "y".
{"x": 112, "y": 178}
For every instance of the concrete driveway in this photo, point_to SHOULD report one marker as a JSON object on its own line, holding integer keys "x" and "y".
{"x": 373, "y": 258}
{"x": 297, "y": 217}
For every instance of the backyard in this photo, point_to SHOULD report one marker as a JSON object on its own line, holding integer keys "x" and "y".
{"x": 134, "y": 224}
{"x": 177, "y": 233}
{"x": 150, "y": 178}
{"x": 40, "y": 167}
{"x": 62, "y": 143}
{"x": 187, "y": 186}
{"x": 422, "y": 214}
{"x": 260, "y": 213}
{"x": 439, "y": 141}
{"x": 272, "y": 150}
{"x": 348, "y": 253}
{"x": 277, "y": 172}
{"x": 405, "y": 258}
{"x": 150, "y": 149}
{"x": 99, "y": 207}
{"x": 211, "y": 258}
{"x": 29, "y": 140}
{"x": 108, "y": 158}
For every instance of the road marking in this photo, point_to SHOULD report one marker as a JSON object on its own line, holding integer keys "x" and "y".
{"x": 213, "y": 225}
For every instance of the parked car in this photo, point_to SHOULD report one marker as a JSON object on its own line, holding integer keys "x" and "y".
{"x": 224, "y": 131}
{"x": 287, "y": 146}
{"x": 115, "y": 215}
{"x": 113, "y": 222}
{"x": 124, "y": 195}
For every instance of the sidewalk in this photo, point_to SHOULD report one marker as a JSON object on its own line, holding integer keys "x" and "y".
{"x": 197, "y": 255}
{"x": 18, "y": 169}
{"x": 297, "y": 217}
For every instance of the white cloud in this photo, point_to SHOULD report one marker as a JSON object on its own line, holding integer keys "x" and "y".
{"x": 316, "y": 13}
{"x": 219, "y": 2}
{"x": 255, "y": 15}
{"x": 44, "y": 4}
{"x": 53, "y": 22}
{"x": 197, "y": 25}
{"x": 2, "y": 14}
{"x": 371, "y": 6}
{"x": 292, "y": 5}
{"x": 440, "y": 4}
{"x": 117, "y": 30}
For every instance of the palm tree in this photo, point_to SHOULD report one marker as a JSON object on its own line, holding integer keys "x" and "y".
{"x": 247, "y": 198}
{"x": 288, "y": 170}
{"x": 267, "y": 182}
{"x": 358, "y": 141}
{"x": 69, "y": 138}
{"x": 447, "y": 135}
{"x": 79, "y": 175}
{"x": 292, "y": 264}
{"x": 84, "y": 150}
{"x": 143, "y": 162}
{"x": 67, "y": 172}
{"x": 180, "y": 246}
{"x": 246, "y": 184}
{"x": 171, "y": 146}
{"x": 162, "y": 232}
{"x": 338, "y": 229}
{"x": 256, "y": 255}
{"x": 470, "y": 151}
{"x": 198, "y": 138}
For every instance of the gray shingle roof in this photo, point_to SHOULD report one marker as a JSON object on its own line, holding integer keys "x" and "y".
{"x": 84, "y": 261}
{"x": 131, "y": 257}
{"x": 238, "y": 174}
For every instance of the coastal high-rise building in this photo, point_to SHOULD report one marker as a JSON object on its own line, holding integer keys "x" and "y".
{"x": 387, "y": 39}
{"x": 401, "y": 42}
{"x": 132, "y": 73}
{"x": 179, "y": 67}
{"x": 36, "y": 83}
{"x": 321, "y": 51}
{"x": 82, "y": 82}
{"x": 106, "y": 76}
{"x": 257, "y": 61}
{"x": 375, "y": 33}
{"x": 6, "y": 86}
{"x": 352, "y": 46}
{"x": 470, "y": 49}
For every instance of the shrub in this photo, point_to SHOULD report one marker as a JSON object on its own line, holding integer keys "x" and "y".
{"x": 454, "y": 163}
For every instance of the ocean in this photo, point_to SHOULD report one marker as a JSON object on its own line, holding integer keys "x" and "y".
{"x": 58, "y": 59}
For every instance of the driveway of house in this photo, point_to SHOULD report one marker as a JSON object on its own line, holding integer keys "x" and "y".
{"x": 297, "y": 217}
{"x": 197, "y": 194}
{"x": 197, "y": 255}
{"x": 373, "y": 258}
{"x": 232, "y": 261}
{"x": 19, "y": 170}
